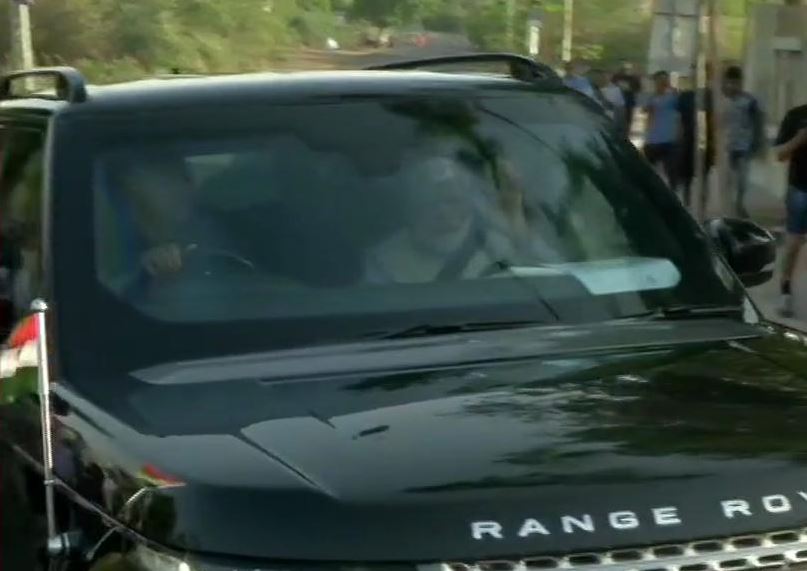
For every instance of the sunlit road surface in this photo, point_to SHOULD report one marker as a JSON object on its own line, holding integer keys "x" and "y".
{"x": 767, "y": 297}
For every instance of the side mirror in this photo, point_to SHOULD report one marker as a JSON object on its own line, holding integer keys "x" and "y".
{"x": 748, "y": 248}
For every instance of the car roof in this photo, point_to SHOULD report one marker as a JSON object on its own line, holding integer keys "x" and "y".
{"x": 241, "y": 89}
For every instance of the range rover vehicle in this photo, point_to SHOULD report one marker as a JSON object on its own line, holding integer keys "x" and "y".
{"x": 394, "y": 319}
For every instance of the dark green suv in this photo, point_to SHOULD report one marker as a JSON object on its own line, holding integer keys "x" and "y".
{"x": 388, "y": 319}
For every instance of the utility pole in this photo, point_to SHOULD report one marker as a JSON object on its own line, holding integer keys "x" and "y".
{"x": 568, "y": 29}
{"x": 510, "y": 14}
{"x": 699, "y": 192}
{"x": 534, "y": 27}
{"x": 22, "y": 53}
{"x": 746, "y": 28}
{"x": 673, "y": 52}
{"x": 718, "y": 104}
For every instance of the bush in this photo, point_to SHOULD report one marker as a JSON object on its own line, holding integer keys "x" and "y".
{"x": 112, "y": 71}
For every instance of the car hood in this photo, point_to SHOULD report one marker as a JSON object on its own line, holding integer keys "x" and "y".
{"x": 566, "y": 453}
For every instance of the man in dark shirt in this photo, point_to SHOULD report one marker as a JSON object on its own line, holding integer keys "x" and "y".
{"x": 631, "y": 86}
{"x": 688, "y": 107}
{"x": 791, "y": 146}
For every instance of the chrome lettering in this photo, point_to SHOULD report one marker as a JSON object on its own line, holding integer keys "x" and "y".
{"x": 531, "y": 527}
{"x": 733, "y": 507}
{"x": 586, "y": 523}
{"x": 666, "y": 516}
{"x": 663, "y": 516}
{"x": 623, "y": 520}
{"x": 480, "y": 529}
{"x": 777, "y": 504}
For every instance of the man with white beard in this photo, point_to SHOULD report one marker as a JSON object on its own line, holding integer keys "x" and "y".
{"x": 443, "y": 239}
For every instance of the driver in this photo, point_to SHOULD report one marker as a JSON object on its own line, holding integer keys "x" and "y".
{"x": 442, "y": 238}
{"x": 169, "y": 221}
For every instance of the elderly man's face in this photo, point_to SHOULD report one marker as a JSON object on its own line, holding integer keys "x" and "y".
{"x": 439, "y": 211}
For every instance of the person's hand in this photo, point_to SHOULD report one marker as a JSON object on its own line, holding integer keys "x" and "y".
{"x": 511, "y": 197}
{"x": 163, "y": 260}
{"x": 511, "y": 194}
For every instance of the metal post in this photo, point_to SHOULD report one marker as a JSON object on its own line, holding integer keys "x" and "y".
{"x": 510, "y": 14}
{"x": 721, "y": 158}
{"x": 22, "y": 54}
{"x": 698, "y": 193}
{"x": 746, "y": 30}
{"x": 671, "y": 64}
{"x": 40, "y": 308}
{"x": 534, "y": 37}
{"x": 534, "y": 27}
{"x": 568, "y": 29}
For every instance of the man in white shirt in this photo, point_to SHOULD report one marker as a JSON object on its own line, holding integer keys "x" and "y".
{"x": 443, "y": 239}
{"x": 610, "y": 97}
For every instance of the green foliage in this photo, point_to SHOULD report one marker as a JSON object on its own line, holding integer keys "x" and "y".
{"x": 384, "y": 13}
{"x": 119, "y": 39}
{"x": 446, "y": 16}
{"x": 113, "y": 40}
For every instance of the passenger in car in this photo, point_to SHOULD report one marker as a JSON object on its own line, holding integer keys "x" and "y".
{"x": 168, "y": 225}
{"x": 160, "y": 201}
{"x": 533, "y": 235}
{"x": 22, "y": 235}
{"x": 443, "y": 239}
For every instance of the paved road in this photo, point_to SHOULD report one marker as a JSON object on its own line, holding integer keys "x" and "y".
{"x": 313, "y": 59}
{"x": 767, "y": 297}
{"x": 765, "y": 203}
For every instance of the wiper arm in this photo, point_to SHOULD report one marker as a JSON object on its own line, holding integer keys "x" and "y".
{"x": 682, "y": 312}
{"x": 433, "y": 330}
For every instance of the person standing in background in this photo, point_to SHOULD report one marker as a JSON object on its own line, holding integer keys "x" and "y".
{"x": 576, "y": 79}
{"x": 791, "y": 147}
{"x": 663, "y": 129}
{"x": 610, "y": 97}
{"x": 745, "y": 127}
{"x": 631, "y": 87}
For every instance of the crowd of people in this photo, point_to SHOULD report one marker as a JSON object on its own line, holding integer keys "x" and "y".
{"x": 671, "y": 133}
{"x": 671, "y": 122}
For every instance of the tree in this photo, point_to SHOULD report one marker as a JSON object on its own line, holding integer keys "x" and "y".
{"x": 383, "y": 13}
{"x": 604, "y": 29}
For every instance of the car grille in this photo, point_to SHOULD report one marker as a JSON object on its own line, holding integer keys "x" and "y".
{"x": 785, "y": 549}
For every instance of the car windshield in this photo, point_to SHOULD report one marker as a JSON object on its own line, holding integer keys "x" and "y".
{"x": 337, "y": 221}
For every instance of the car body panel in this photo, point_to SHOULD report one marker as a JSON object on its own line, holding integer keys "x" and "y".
{"x": 392, "y": 451}
{"x": 431, "y": 451}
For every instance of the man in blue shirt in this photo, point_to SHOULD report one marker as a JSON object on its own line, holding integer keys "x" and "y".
{"x": 663, "y": 128}
{"x": 162, "y": 226}
{"x": 576, "y": 79}
{"x": 744, "y": 123}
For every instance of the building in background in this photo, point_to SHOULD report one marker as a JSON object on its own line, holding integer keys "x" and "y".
{"x": 673, "y": 41}
{"x": 776, "y": 58}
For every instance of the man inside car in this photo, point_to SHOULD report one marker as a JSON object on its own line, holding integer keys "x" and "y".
{"x": 165, "y": 226}
{"x": 443, "y": 238}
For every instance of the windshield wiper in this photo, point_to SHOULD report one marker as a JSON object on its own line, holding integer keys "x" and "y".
{"x": 683, "y": 312}
{"x": 433, "y": 330}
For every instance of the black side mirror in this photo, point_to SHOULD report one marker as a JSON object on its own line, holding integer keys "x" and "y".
{"x": 748, "y": 248}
